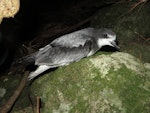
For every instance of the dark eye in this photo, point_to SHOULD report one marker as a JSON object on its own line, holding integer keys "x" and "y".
{"x": 105, "y": 35}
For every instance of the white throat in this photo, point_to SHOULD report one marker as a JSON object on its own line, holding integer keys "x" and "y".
{"x": 104, "y": 42}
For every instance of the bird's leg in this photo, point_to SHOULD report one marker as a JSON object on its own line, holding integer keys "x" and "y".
{"x": 38, "y": 71}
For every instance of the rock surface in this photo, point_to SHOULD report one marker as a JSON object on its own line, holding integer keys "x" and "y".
{"x": 112, "y": 83}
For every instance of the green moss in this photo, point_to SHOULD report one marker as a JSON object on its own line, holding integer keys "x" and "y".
{"x": 126, "y": 85}
{"x": 81, "y": 88}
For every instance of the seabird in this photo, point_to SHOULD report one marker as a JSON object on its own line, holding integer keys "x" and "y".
{"x": 71, "y": 48}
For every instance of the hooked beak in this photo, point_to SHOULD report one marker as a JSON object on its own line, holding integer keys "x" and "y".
{"x": 113, "y": 44}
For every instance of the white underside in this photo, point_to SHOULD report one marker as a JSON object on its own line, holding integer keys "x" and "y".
{"x": 90, "y": 53}
{"x": 38, "y": 71}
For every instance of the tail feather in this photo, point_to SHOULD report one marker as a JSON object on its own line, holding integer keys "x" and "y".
{"x": 26, "y": 60}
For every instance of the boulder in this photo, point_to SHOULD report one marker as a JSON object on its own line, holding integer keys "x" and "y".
{"x": 112, "y": 83}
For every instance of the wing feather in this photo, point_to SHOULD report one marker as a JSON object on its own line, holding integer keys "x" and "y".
{"x": 74, "y": 39}
{"x": 59, "y": 56}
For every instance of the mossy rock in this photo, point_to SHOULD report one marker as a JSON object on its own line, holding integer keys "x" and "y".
{"x": 7, "y": 87}
{"x": 104, "y": 83}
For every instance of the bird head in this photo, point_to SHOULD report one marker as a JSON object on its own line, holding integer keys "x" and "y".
{"x": 106, "y": 37}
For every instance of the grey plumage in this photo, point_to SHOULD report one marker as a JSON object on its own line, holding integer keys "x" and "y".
{"x": 70, "y": 48}
{"x": 57, "y": 56}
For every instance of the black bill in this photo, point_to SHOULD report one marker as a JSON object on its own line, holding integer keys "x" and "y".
{"x": 115, "y": 45}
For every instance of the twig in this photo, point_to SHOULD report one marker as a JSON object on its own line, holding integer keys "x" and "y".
{"x": 38, "y": 104}
{"x": 137, "y": 4}
{"x": 120, "y": 1}
{"x": 142, "y": 37}
{"x": 15, "y": 95}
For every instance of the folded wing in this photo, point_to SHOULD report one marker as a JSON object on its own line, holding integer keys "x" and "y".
{"x": 74, "y": 39}
{"x": 59, "y": 56}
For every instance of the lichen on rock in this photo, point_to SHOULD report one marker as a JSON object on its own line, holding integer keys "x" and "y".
{"x": 115, "y": 61}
